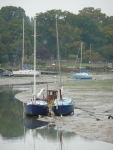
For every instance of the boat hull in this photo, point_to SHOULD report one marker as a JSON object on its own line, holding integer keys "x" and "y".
{"x": 25, "y": 73}
{"x": 78, "y": 76}
{"x": 63, "y": 109}
{"x": 33, "y": 110}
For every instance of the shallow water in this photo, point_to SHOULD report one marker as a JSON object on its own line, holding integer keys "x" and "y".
{"x": 17, "y": 132}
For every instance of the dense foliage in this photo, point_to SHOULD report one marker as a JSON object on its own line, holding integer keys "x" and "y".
{"x": 90, "y": 26}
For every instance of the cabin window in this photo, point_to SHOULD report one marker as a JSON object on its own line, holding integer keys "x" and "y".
{"x": 54, "y": 92}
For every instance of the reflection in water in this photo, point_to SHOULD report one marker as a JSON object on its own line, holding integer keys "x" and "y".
{"x": 56, "y": 139}
{"x": 45, "y": 137}
{"x": 10, "y": 114}
{"x": 32, "y": 123}
{"x": 33, "y": 134}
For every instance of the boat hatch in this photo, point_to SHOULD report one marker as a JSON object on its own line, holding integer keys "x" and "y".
{"x": 52, "y": 95}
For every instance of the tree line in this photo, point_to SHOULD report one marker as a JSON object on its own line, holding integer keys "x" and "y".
{"x": 90, "y": 26}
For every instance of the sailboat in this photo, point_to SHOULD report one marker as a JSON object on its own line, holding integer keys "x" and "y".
{"x": 36, "y": 106}
{"x": 23, "y": 71}
{"x": 62, "y": 105}
{"x": 83, "y": 73}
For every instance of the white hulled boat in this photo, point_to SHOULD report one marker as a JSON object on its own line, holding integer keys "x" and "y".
{"x": 25, "y": 72}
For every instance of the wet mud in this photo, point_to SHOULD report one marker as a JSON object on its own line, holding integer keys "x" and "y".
{"x": 93, "y": 104}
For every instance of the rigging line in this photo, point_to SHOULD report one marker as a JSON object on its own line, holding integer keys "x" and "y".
{"x": 16, "y": 53}
{"x": 76, "y": 59}
{"x": 29, "y": 44}
{"x": 23, "y": 47}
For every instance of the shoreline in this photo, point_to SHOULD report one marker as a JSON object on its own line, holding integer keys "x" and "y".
{"x": 92, "y": 107}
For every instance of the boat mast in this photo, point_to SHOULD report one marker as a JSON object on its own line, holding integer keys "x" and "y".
{"x": 34, "y": 93}
{"x": 81, "y": 55}
{"x": 23, "y": 45}
{"x": 58, "y": 53}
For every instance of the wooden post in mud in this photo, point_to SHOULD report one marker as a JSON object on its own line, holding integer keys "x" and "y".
{"x": 60, "y": 94}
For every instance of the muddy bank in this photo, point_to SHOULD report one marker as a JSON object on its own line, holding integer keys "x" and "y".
{"x": 93, "y": 104}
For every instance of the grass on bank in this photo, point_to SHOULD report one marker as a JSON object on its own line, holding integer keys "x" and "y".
{"x": 43, "y": 63}
{"x": 107, "y": 83}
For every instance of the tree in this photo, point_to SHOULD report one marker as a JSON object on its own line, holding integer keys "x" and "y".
{"x": 3, "y": 53}
{"x": 107, "y": 52}
{"x": 95, "y": 14}
{"x": 43, "y": 53}
{"x": 11, "y": 30}
{"x": 90, "y": 21}
{"x": 10, "y": 13}
{"x": 108, "y": 33}
{"x": 90, "y": 26}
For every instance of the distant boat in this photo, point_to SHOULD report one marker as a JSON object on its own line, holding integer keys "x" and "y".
{"x": 4, "y": 72}
{"x": 83, "y": 73}
{"x": 25, "y": 71}
{"x": 62, "y": 105}
{"x": 36, "y": 106}
{"x": 7, "y": 73}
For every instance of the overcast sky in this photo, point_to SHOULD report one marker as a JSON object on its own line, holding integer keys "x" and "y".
{"x": 32, "y": 7}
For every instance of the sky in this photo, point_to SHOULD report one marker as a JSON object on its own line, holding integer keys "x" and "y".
{"x": 32, "y": 7}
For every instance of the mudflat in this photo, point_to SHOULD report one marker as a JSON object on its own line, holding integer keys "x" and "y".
{"x": 93, "y": 100}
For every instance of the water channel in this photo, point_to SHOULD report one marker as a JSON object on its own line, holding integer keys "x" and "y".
{"x": 22, "y": 133}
